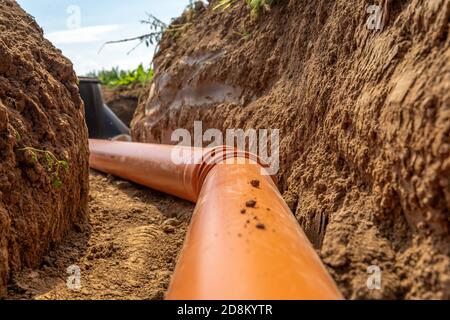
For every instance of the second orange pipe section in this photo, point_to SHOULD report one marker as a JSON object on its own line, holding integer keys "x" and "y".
{"x": 243, "y": 241}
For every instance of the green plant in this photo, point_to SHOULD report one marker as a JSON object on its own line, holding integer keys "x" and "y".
{"x": 52, "y": 163}
{"x": 116, "y": 77}
{"x": 157, "y": 28}
{"x": 244, "y": 35}
{"x": 255, "y": 5}
{"x": 16, "y": 134}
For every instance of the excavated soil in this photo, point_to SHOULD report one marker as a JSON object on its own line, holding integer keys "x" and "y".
{"x": 123, "y": 101}
{"x": 40, "y": 108}
{"x": 128, "y": 251}
{"x": 364, "y": 118}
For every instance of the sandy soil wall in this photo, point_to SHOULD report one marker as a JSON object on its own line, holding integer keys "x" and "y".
{"x": 43, "y": 144}
{"x": 364, "y": 118}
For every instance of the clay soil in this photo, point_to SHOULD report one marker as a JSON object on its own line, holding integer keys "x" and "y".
{"x": 128, "y": 251}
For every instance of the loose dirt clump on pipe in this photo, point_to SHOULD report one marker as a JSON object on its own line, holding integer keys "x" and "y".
{"x": 43, "y": 145}
{"x": 364, "y": 121}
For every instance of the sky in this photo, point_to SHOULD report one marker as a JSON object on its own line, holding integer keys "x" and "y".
{"x": 80, "y": 27}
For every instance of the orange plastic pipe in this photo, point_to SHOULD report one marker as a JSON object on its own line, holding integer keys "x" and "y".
{"x": 243, "y": 241}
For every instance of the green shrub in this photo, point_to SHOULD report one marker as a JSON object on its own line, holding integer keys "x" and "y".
{"x": 257, "y": 5}
{"x": 50, "y": 161}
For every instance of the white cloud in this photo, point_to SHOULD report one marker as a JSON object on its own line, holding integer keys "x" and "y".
{"x": 82, "y": 35}
{"x": 82, "y": 46}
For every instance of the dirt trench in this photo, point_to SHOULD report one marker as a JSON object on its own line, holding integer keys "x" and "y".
{"x": 365, "y": 149}
{"x": 128, "y": 251}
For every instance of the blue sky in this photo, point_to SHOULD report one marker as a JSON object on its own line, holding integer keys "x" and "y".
{"x": 80, "y": 27}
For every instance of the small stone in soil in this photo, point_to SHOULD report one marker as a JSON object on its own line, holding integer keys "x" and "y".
{"x": 171, "y": 222}
{"x": 168, "y": 229}
{"x": 243, "y": 211}
{"x": 255, "y": 183}
{"x": 250, "y": 204}
{"x": 261, "y": 226}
